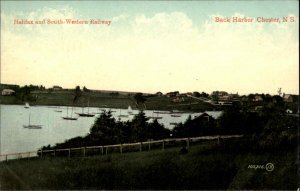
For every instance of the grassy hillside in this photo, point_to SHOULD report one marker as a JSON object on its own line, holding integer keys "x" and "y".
{"x": 105, "y": 99}
{"x": 203, "y": 167}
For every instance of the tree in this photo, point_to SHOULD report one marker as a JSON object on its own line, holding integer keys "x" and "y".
{"x": 215, "y": 96}
{"x": 203, "y": 94}
{"x": 274, "y": 108}
{"x": 251, "y": 96}
{"x": 84, "y": 89}
{"x": 157, "y": 131}
{"x": 267, "y": 98}
{"x": 24, "y": 93}
{"x": 139, "y": 127}
{"x": 232, "y": 120}
{"x": 196, "y": 94}
{"x": 199, "y": 126}
{"x": 105, "y": 130}
{"x": 77, "y": 93}
{"x": 42, "y": 87}
{"x": 139, "y": 98}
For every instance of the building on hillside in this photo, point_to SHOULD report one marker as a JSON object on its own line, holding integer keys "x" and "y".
{"x": 244, "y": 99}
{"x": 172, "y": 94}
{"x": 287, "y": 98}
{"x": 159, "y": 94}
{"x": 57, "y": 88}
{"x": 219, "y": 93}
{"x": 178, "y": 99}
{"x": 225, "y": 98}
{"x": 234, "y": 97}
{"x": 258, "y": 98}
{"x": 7, "y": 92}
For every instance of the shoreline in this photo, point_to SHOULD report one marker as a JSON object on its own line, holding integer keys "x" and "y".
{"x": 105, "y": 100}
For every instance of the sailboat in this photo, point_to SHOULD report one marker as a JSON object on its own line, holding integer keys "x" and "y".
{"x": 175, "y": 115}
{"x": 26, "y": 105}
{"x": 129, "y": 110}
{"x": 86, "y": 114}
{"x": 69, "y": 118}
{"x": 157, "y": 117}
{"x": 58, "y": 109}
{"x": 122, "y": 115}
{"x": 161, "y": 112}
{"x": 30, "y": 126}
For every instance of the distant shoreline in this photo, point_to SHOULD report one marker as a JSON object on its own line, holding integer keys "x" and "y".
{"x": 107, "y": 100}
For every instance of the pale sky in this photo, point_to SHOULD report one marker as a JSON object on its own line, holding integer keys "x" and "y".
{"x": 152, "y": 46}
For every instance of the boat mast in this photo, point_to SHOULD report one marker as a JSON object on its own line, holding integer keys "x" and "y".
{"x": 88, "y": 105}
{"x": 29, "y": 118}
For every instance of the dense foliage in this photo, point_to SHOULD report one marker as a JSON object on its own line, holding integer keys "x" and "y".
{"x": 107, "y": 130}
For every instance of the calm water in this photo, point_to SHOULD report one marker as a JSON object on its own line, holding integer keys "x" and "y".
{"x": 15, "y": 138}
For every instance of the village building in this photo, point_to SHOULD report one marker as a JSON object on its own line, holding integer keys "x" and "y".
{"x": 257, "y": 98}
{"x": 287, "y": 98}
{"x": 178, "y": 99}
{"x": 7, "y": 92}
{"x": 57, "y": 88}
{"x": 244, "y": 98}
{"x": 220, "y": 96}
{"x": 219, "y": 93}
{"x": 172, "y": 94}
{"x": 224, "y": 98}
{"x": 234, "y": 97}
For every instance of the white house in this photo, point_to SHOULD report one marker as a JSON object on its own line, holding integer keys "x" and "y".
{"x": 7, "y": 92}
{"x": 287, "y": 98}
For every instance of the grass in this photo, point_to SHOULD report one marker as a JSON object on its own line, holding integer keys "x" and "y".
{"x": 203, "y": 167}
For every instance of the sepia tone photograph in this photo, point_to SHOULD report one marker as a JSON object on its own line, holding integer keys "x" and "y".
{"x": 149, "y": 95}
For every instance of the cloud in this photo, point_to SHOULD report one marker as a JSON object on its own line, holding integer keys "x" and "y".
{"x": 163, "y": 52}
{"x": 120, "y": 18}
{"x": 163, "y": 24}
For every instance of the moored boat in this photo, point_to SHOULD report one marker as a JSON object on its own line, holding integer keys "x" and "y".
{"x": 88, "y": 114}
{"x": 30, "y": 126}
{"x": 85, "y": 114}
{"x": 27, "y": 105}
{"x": 71, "y": 117}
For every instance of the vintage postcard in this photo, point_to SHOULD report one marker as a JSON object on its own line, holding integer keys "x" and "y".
{"x": 149, "y": 95}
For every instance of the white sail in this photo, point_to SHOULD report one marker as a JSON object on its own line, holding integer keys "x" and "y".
{"x": 26, "y": 105}
{"x": 129, "y": 110}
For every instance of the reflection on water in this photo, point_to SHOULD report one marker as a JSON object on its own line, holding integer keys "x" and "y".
{"x": 16, "y": 138}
